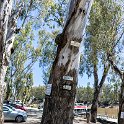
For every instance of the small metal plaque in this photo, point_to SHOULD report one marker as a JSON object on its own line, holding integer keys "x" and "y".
{"x": 74, "y": 43}
{"x": 48, "y": 89}
{"x": 68, "y": 78}
{"x": 122, "y": 115}
{"x": 67, "y": 87}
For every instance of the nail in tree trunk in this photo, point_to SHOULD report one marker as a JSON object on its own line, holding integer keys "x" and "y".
{"x": 61, "y": 90}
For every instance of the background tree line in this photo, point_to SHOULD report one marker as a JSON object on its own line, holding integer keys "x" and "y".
{"x": 109, "y": 94}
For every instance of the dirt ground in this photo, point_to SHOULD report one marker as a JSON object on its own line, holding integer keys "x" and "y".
{"x": 33, "y": 120}
{"x": 78, "y": 120}
{"x": 29, "y": 121}
{"x": 110, "y": 112}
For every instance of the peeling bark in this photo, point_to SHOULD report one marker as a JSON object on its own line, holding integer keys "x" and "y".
{"x": 2, "y": 90}
{"x": 58, "y": 107}
{"x": 7, "y": 28}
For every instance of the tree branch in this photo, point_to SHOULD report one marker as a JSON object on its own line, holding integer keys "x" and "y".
{"x": 28, "y": 66}
{"x": 105, "y": 72}
{"x": 116, "y": 69}
{"x": 30, "y": 5}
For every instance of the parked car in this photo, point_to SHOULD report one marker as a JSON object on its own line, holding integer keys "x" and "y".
{"x": 8, "y": 105}
{"x": 15, "y": 105}
{"x": 18, "y": 106}
{"x": 18, "y": 102}
{"x": 13, "y": 114}
{"x": 80, "y": 109}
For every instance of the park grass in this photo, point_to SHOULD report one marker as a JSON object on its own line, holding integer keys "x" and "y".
{"x": 110, "y": 112}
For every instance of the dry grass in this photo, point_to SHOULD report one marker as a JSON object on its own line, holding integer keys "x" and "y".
{"x": 110, "y": 112}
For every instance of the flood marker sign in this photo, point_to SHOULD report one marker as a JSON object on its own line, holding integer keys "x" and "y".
{"x": 68, "y": 78}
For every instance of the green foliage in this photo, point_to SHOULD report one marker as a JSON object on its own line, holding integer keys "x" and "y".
{"x": 84, "y": 94}
{"x": 25, "y": 55}
{"x": 101, "y": 34}
{"x": 110, "y": 92}
{"x": 48, "y": 53}
{"x": 19, "y": 76}
{"x": 53, "y": 23}
{"x": 38, "y": 93}
{"x": 56, "y": 14}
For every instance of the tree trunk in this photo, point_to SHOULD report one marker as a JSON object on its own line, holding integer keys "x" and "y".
{"x": 121, "y": 97}
{"x": 59, "y": 103}
{"x": 8, "y": 91}
{"x": 97, "y": 89}
{"x": 2, "y": 90}
{"x": 94, "y": 105}
{"x": 121, "y": 103}
{"x": 7, "y": 27}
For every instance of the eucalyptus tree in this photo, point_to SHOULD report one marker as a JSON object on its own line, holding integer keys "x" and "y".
{"x": 12, "y": 12}
{"x": 39, "y": 93}
{"x": 84, "y": 94}
{"x": 22, "y": 60}
{"x": 103, "y": 24}
{"x": 117, "y": 65}
{"x": 7, "y": 33}
{"x": 61, "y": 89}
{"x": 110, "y": 92}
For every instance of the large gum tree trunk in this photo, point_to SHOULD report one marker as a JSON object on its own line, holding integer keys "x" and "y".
{"x": 59, "y": 103}
{"x": 2, "y": 90}
{"x": 7, "y": 28}
{"x": 121, "y": 103}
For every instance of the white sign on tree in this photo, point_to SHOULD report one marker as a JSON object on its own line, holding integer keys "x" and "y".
{"x": 68, "y": 78}
{"x": 48, "y": 89}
